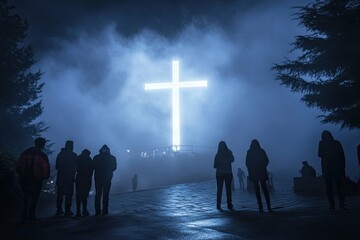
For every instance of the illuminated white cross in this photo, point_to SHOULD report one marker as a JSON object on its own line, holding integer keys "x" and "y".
{"x": 175, "y": 85}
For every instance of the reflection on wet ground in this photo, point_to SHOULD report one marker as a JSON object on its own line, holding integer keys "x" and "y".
{"x": 188, "y": 211}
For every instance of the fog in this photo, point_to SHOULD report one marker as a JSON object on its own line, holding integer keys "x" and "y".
{"x": 95, "y": 70}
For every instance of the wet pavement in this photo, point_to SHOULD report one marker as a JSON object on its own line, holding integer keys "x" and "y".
{"x": 187, "y": 211}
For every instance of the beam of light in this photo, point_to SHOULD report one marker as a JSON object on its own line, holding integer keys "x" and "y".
{"x": 175, "y": 106}
{"x": 175, "y": 85}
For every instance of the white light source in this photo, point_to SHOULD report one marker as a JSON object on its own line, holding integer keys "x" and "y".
{"x": 175, "y": 85}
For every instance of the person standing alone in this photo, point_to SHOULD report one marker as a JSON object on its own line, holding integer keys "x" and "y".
{"x": 222, "y": 162}
{"x": 104, "y": 166}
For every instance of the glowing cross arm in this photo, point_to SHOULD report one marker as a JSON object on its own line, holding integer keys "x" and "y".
{"x": 169, "y": 85}
{"x": 151, "y": 86}
{"x": 190, "y": 84}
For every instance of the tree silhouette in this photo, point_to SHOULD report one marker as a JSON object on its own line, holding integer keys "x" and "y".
{"x": 327, "y": 71}
{"x": 20, "y": 103}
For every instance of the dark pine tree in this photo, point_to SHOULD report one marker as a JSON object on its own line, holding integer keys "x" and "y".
{"x": 20, "y": 103}
{"x": 327, "y": 70}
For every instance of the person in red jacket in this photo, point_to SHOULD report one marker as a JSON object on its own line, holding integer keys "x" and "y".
{"x": 33, "y": 167}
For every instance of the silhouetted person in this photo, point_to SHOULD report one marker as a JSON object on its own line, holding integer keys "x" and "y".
{"x": 32, "y": 167}
{"x": 270, "y": 180}
{"x": 358, "y": 153}
{"x": 66, "y": 169}
{"x": 222, "y": 163}
{"x": 333, "y": 165}
{"x": 256, "y": 162}
{"x": 241, "y": 177}
{"x": 84, "y": 172}
{"x": 104, "y": 166}
{"x": 232, "y": 184}
{"x": 307, "y": 170}
{"x": 134, "y": 181}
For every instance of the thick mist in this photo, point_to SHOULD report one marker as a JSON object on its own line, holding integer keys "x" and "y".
{"x": 94, "y": 94}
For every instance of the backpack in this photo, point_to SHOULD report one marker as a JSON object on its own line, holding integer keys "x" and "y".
{"x": 28, "y": 176}
{"x": 29, "y": 169}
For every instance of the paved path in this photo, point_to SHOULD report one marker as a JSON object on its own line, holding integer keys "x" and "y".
{"x": 187, "y": 211}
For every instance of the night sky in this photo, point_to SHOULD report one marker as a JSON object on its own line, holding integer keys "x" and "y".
{"x": 97, "y": 55}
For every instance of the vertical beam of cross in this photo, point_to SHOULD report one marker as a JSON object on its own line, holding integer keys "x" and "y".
{"x": 175, "y": 86}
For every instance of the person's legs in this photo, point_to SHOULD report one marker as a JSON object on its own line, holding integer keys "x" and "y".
{"x": 329, "y": 192}
{"x": 228, "y": 183}
{"x": 98, "y": 193}
{"x": 107, "y": 186}
{"x": 341, "y": 192}
{"x": 27, "y": 198}
{"x": 78, "y": 198}
{"x": 258, "y": 196}
{"x": 59, "y": 199}
{"x": 85, "y": 197}
{"x": 35, "y": 193}
{"x": 219, "y": 183}
{"x": 266, "y": 193}
{"x": 68, "y": 199}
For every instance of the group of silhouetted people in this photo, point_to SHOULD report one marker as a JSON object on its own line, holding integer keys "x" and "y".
{"x": 73, "y": 172}
{"x": 330, "y": 152}
{"x": 256, "y": 163}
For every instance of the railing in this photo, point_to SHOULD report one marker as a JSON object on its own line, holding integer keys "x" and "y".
{"x": 169, "y": 152}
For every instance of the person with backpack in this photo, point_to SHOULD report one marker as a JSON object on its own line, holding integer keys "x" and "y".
{"x": 104, "y": 166}
{"x": 32, "y": 167}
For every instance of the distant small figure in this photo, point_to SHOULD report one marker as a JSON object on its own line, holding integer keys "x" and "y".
{"x": 104, "y": 166}
{"x": 232, "y": 184}
{"x": 84, "y": 172}
{"x": 222, "y": 163}
{"x": 333, "y": 165}
{"x": 307, "y": 170}
{"x": 358, "y": 153}
{"x": 256, "y": 162}
{"x": 270, "y": 180}
{"x": 33, "y": 167}
{"x": 241, "y": 177}
{"x": 134, "y": 182}
{"x": 66, "y": 169}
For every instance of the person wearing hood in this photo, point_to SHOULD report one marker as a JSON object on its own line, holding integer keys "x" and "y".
{"x": 104, "y": 166}
{"x": 84, "y": 172}
{"x": 66, "y": 169}
{"x": 307, "y": 170}
{"x": 333, "y": 166}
